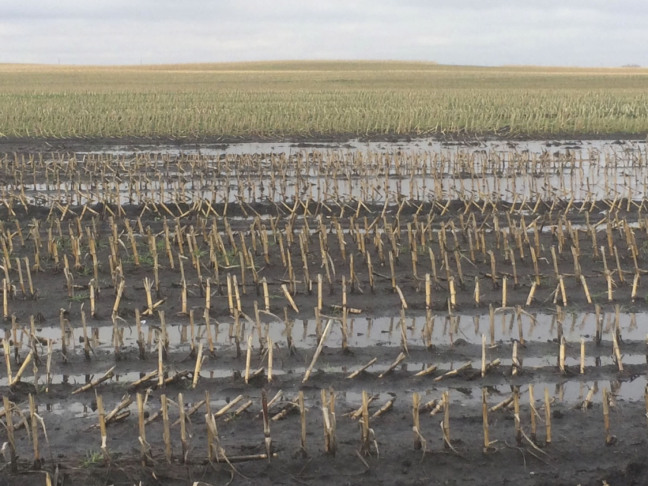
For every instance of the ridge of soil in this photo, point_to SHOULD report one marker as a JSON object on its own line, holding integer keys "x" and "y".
{"x": 577, "y": 454}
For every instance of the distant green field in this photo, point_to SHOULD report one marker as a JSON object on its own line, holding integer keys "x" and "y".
{"x": 311, "y": 99}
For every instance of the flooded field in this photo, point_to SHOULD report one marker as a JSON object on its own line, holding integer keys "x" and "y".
{"x": 373, "y": 173}
{"x": 274, "y": 312}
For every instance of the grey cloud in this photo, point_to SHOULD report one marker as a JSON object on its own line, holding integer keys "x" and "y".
{"x": 549, "y": 32}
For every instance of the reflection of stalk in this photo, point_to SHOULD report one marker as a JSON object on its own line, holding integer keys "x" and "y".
{"x": 609, "y": 439}
{"x": 140, "y": 335}
{"x": 8, "y": 406}
{"x": 48, "y": 369}
{"x": 86, "y": 341}
{"x": 302, "y": 414}
{"x": 165, "y": 334}
{"x": 403, "y": 333}
{"x": 266, "y": 425}
{"x": 160, "y": 360}
{"x": 599, "y": 325}
{"x": 491, "y": 324}
{"x": 7, "y": 353}
{"x": 547, "y": 416}
{"x": 33, "y": 418}
{"x": 63, "y": 336}
{"x": 483, "y": 352}
{"x": 166, "y": 428}
{"x": 533, "y": 413}
{"x": 646, "y": 400}
{"x": 518, "y": 312}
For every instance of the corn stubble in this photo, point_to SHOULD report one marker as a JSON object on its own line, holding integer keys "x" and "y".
{"x": 330, "y": 251}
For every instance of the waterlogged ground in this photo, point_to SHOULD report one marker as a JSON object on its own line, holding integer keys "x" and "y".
{"x": 603, "y": 336}
{"x": 373, "y": 172}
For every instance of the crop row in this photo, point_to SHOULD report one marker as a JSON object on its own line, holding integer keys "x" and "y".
{"x": 207, "y": 104}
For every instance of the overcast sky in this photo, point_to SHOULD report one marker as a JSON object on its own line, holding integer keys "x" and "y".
{"x": 478, "y": 32}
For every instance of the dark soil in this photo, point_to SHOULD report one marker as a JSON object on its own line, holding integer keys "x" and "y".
{"x": 577, "y": 454}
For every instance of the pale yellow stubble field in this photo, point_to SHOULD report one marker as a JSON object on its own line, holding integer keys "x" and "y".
{"x": 318, "y": 98}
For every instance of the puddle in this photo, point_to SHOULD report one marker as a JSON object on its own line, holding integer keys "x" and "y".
{"x": 569, "y": 393}
{"x": 372, "y": 172}
{"x": 69, "y": 408}
{"x": 361, "y": 332}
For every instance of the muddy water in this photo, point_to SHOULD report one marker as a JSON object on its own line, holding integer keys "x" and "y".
{"x": 361, "y": 331}
{"x": 538, "y": 332}
{"x": 370, "y": 172}
{"x": 415, "y": 145}
{"x": 421, "y": 170}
